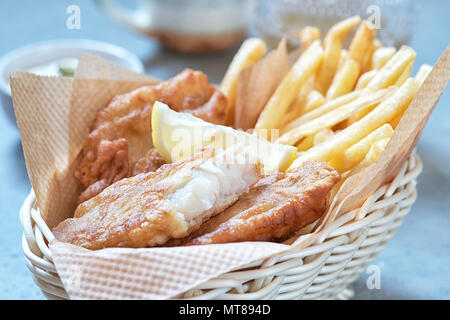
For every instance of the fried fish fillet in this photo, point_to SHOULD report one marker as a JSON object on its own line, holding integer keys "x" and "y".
{"x": 121, "y": 137}
{"x": 150, "y": 208}
{"x": 276, "y": 206}
{"x": 148, "y": 163}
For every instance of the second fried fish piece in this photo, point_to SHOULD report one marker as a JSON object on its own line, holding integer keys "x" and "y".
{"x": 276, "y": 206}
{"x": 150, "y": 208}
{"x": 120, "y": 138}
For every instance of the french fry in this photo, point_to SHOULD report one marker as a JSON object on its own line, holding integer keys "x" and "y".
{"x": 388, "y": 75}
{"x": 314, "y": 100}
{"x": 322, "y": 135}
{"x": 367, "y": 61}
{"x": 249, "y": 53}
{"x": 297, "y": 107}
{"x": 315, "y": 139}
{"x": 423, "y": 73}
{"x": 332, "y": 52}
{"x": 305, "y": 144}
{"x": 354, "y": 154}
{"x": 294, "y": 113}
{"x": 344, "y": 57}
{"x": 377, "y": 44}
{"x": 333, "y": 117}
{"x": 392, "y": 70}
{"x": 382, "y": 114}
{"x": 342, "y": 28}
{"x": 365, "y": 78}
{"x": 381, "y": 56}
{"x": 405, "y": 74}
{"x": 308, "y": 35}
{"x": 345, "y": 79}
{"x": 326, "y": 107}
{"x": 394, "y": 121}
{"x": 331, "y": 56}
{"x": 376, "y": 149}
{"x": 361, "y": 42}
{"x": 371, "y": 157}
{"x": 420, "y": 77}
{"x": 306, "y": 65}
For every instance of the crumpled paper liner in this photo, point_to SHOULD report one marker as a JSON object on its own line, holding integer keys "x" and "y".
{"x": 155, "y": 273}
{"x": 97, "y": 68}
{"x": 54, "y": 115}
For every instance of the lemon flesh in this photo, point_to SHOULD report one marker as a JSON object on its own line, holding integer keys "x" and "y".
{"x": 178, "y": 135}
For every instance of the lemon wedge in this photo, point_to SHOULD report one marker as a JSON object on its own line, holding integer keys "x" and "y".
{"x": 178, "y": 135}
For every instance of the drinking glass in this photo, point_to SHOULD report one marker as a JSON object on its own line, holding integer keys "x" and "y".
{"x": 274, "y": 19}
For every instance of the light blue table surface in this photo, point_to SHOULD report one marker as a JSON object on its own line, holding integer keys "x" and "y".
{"x": 416, "y": 262}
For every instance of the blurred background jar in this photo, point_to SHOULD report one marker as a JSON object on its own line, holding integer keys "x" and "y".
{"x": 274, "y": 19}
{"x": 194, "y": 26}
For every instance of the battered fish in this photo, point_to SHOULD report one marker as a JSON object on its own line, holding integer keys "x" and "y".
{"x": 148, "y": 163}
{"x": 276, "y": 206}
{"x": 120, "y": 136}
{"x": 150, "y": 208}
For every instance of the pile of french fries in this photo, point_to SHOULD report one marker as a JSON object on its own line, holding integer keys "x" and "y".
{"x": 337, "y": 105}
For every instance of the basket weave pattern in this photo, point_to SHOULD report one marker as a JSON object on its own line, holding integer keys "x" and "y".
{"x": 324, "y": 270}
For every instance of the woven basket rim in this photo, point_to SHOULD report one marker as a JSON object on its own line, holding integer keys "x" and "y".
{"x": 39, "y": 260}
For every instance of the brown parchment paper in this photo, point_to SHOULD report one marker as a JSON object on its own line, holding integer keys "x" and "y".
{"x": 54, "y": 115}
{"x": 95, "y": 67}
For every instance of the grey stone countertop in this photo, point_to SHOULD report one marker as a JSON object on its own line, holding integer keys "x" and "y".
{"x": 414, "y": 265}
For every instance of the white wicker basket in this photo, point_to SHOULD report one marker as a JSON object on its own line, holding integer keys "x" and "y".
{"x": 324, "y": 270}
